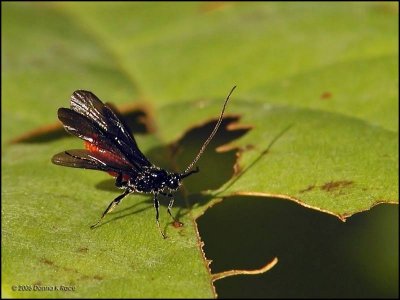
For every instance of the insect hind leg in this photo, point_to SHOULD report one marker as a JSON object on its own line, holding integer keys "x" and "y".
{"x": 156, "y": 206}
{"x": 111, "y": 206}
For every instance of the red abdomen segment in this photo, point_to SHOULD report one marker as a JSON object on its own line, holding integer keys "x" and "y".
{"x": 108, "y": 156}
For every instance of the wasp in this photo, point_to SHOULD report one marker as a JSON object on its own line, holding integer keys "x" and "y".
{"x": 111, "y": 147}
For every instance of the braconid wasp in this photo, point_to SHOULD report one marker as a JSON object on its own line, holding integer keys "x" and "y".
{"x": 110, "y": 147}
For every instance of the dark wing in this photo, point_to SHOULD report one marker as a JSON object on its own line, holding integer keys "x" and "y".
{"x": 87, "y": 130}
{"x": 95, "y": 122}
{"x": 85, "y": 159}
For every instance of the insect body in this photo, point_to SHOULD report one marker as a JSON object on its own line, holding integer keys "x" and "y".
{"x": 110, "y": 147}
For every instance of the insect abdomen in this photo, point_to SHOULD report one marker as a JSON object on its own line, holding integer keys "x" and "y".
{"x": 95, "y": 149}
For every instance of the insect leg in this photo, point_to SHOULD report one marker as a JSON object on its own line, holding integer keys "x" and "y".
{"x": 119, "y": 183}
{"x": 171, "y": 203}
{"x": 111, "y": 206}
{"x": 156, "y": 205}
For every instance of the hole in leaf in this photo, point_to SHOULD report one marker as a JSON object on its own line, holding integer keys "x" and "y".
{"x": 319, "y": 256}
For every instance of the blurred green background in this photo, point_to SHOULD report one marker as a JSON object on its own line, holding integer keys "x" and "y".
{"x": 334, "y": 57}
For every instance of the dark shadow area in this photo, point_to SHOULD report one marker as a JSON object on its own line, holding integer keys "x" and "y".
{"x": 107, "y": 185}
{"x": 319, "y": 256}
{"x": 137, "y": 120}
{"x": 216, "y": 168}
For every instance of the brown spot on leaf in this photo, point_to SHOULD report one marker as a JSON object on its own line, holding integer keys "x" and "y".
{"x": 47, "y": 262}
{"x": 336, "y": 185}
{"x": 326, "y": 95}
{"x": 71, "y": 270}
{"x": 177, "y": 224}
{"x": 250, "y": 147}
{"x": 83, "y": 249}
{"x": 309, "y": 188}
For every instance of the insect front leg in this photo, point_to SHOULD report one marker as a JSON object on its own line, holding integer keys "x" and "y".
{"x": 111, "y": 206}
{"x": 170, "y": 204}
{"x": 156, "y": 205}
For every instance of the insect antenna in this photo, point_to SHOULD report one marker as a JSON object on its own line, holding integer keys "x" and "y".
{"x": 187, "y": 173}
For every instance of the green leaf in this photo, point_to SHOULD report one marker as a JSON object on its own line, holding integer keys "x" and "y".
{"x": 47, "y": 239}
{"x": 315, "y": 119}
{"x": 316, "y": 158}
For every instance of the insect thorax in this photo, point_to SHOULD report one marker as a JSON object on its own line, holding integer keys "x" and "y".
{"x": 155, "y": 180}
